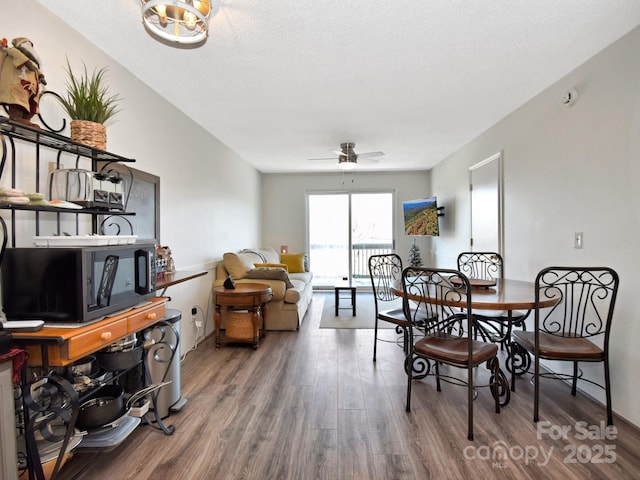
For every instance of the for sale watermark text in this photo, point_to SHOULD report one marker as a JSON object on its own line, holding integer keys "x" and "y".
{"x": 579, "y": 431}
{"x": 593, "y": 448}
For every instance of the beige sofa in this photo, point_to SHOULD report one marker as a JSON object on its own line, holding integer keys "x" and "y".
{"x": 290, "y": 301}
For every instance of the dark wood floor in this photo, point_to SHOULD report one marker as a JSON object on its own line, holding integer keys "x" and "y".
{"x": 312, "y": 405}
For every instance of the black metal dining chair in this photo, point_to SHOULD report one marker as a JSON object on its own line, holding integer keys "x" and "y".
{"x": 441, "y": 296}
{"x": 385, "y": 272}
{"x": 483, "y": 265}
{"x": 495, "y": 325}
{"x": 575, "y": 330}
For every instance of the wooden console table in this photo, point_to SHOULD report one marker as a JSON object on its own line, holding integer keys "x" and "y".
{"x": 248, "y": 301}
{"x": 168, "y": 279}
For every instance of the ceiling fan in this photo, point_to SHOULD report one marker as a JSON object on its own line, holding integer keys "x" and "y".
{"x": 348, "y": 158}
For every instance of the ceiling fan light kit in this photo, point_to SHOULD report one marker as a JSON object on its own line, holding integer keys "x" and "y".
{"x": 179, "y": 21}
{"x": 346, "y": 164}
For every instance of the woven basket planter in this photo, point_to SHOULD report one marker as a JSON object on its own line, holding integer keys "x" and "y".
{"x": 239, "y": 325}
{"x": 89, "y": 133}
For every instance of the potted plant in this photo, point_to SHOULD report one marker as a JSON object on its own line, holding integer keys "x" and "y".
{"x": 89, "y": 105}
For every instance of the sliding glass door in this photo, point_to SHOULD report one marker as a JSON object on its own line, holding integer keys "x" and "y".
{"x": 328, "y": 237}
{"x": 344, "y": 230}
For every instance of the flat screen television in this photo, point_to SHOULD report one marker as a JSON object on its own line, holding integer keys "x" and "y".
{"x": 421, "y": 217}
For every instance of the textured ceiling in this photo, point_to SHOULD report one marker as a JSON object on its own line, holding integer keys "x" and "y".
{"x": 283, "y": 81}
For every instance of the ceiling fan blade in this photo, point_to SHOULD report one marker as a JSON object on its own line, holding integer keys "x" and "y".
{"x": 369, "y": 160}
{"x": 322, "y": 159}
{"x": 348, "y": 155}
{"x": 370, "y": 154}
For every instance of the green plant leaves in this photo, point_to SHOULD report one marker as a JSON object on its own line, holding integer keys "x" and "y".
{"x": 87, "y": 96}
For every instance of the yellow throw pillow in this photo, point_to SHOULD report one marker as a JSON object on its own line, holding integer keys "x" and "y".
{"x": 294, "y": 262}
{"x": 271, "y": 265}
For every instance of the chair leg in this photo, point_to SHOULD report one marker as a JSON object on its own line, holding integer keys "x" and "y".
{"x": 536, "y": 387}
{"x": 495, "y": 386}
{"x": 607, "y": 388}
{"x": 375, "y": 339}
{"x": 574, "y": 380}
{"x": 405, "y": 339}
{"x": 469, "y": 402}
{"x": 512, "y": 353}
{"x": 409, "y": 370}
{"x": 438, "y": 376}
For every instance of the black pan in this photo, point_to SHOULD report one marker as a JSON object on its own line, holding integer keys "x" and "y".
{"x": 104, "y": 406}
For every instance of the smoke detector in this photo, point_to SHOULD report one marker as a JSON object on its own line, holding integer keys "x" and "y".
{"x": 570, "y": 97}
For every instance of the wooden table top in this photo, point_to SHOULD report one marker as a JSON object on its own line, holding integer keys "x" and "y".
{"x": 506, "y": 295}
{"x": 179, "y": 276}
{"x": 243, "y": 288}
{"x": 51, "y": 332}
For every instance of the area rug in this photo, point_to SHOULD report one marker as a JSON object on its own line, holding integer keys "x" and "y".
{"x": 365, "y": 312}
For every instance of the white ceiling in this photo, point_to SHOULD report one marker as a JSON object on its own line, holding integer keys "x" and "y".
{"x": 283, "y": 81}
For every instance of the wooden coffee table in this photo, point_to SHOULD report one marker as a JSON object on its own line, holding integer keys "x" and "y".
{"x": 247, "y": 307}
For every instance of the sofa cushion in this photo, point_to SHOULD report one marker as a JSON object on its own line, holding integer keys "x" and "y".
{"x": 271, "y": 274}
{"x": 237, "y": 265}
{"x": 293, "y": 294}
{"x": 304, "y": 277}
{"x": 294, "y": 261}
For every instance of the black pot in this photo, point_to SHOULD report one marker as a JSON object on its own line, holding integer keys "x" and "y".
{"x": 84, "y": 366}
{"x": 104, "y": 406}
{"x": 122, "y": 360}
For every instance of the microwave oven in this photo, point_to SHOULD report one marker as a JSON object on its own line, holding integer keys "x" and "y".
{"x": 76, "y": 284}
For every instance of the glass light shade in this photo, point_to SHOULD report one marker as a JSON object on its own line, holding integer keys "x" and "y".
{"x": 347, "y": 165}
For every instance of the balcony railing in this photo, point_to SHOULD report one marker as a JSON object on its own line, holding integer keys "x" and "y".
{"x": 360, "y": 254}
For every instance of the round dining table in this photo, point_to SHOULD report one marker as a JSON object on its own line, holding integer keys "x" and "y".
{"x": 500, "y": 295}
{"x": 506, "y": 295}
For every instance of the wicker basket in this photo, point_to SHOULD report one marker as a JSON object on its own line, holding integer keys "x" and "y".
{"x": 239, "y": 325}
{"x": 88, "y": 133}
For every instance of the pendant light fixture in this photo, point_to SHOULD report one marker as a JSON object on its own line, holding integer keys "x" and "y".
{"x": 183, "y": 22}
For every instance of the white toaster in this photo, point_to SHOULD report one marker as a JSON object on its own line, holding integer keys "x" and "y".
{"x": 85, "y": 188}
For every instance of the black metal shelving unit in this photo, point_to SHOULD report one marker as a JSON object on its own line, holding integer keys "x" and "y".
{"x": 11, "y": 131}
{"x": 10, "y": 134}
{"x": 56, "y": 141}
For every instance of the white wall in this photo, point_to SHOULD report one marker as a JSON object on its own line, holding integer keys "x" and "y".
{"x": 569, "y": 169}
{"x": 210, "y": 197}
{"x": 284, "y": 204}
